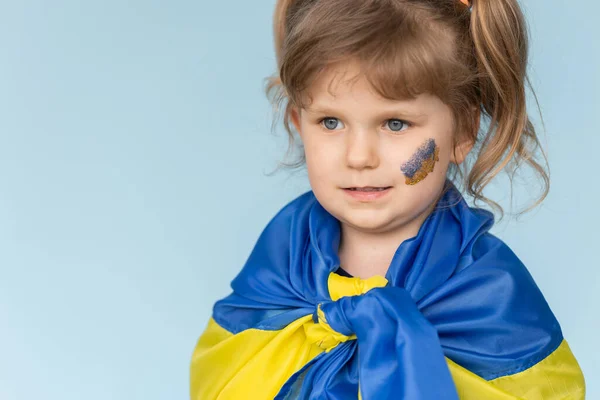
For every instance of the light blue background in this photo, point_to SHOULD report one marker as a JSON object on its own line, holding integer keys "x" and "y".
{"x": 134, "y": 138}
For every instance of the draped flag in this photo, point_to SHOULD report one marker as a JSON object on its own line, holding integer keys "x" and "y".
{"x": 457, "y": 316}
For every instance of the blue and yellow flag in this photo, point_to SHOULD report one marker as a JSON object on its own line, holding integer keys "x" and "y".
{"x": 457, "y": 316}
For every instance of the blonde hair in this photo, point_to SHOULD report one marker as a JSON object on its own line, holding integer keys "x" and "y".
{"x": 474, "y": 58}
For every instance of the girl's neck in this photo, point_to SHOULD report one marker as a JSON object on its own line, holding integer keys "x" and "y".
{"x": 365, "y": 254}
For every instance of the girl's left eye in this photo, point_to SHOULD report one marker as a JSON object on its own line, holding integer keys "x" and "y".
{"x": 396, "y": 124}
{"x": 330, "y": 123}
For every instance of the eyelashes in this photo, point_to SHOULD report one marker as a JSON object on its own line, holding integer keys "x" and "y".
{"x": 391, "y": 123}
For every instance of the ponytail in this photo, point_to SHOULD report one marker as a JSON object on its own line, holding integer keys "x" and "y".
{"x": 500, "y": 40}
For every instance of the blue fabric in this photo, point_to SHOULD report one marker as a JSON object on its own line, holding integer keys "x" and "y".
{"x": 454, "y": 290}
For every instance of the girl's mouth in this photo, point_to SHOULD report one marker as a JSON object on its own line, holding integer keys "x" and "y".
{"x": 369, "y": 188}
{"x": 368, "y": 193}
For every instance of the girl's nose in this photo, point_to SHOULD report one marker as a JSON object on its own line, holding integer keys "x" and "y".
{"x": 362, "y": 149}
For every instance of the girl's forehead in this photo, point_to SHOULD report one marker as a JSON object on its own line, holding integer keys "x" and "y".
{"x": 345, "y": 87}
{"x": 346, "y": 81}
{"x": 328, "y": 97}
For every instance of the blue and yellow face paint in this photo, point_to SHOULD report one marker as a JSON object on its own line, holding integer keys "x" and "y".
{"x": 421, "y": 163}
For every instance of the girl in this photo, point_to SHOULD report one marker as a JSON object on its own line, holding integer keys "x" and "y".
{"x": 381, "y": 282}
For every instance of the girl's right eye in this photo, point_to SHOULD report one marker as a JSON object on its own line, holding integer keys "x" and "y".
{"x": 330, "y": 123}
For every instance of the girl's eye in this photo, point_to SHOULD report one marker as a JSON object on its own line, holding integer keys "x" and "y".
{"x": 396, "y": 124}
{"x": 330, "y": 123}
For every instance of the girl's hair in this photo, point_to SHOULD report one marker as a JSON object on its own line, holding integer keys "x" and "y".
{"x": 474, "y": 58}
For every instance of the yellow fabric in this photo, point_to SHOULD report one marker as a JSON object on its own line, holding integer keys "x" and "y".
{"x": 341, "y": 286}
{"x": 558, "y": 376}
{"x": 254, "y": 364}
{"x": 226, "y": 366}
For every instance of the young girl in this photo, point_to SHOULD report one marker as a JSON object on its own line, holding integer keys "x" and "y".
{"x": 381, "y": 282}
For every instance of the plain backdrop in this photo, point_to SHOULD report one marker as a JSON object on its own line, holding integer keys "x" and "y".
{"x": 134, "y": 144}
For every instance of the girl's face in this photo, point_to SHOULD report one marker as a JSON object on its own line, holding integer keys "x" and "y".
{"x": 355, "y": 138}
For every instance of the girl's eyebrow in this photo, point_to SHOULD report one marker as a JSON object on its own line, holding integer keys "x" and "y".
{"x": 387, "y": 113}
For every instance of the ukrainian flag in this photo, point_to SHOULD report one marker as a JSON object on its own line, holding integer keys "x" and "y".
{"x": 457, "y": 316}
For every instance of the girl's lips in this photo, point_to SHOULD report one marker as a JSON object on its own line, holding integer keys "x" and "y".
{"x": 367, "y": 196}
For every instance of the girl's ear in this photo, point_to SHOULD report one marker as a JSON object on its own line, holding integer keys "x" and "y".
{"x": 461, "y": 150}
{"x": 466, "y": 143}
{"x": 295, "y": 118}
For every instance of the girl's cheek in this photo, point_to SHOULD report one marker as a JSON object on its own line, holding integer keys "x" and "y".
{"x": 421, "y": 163}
